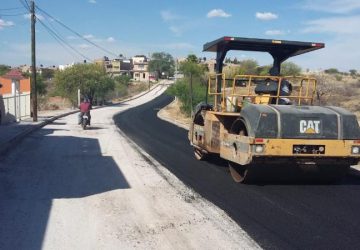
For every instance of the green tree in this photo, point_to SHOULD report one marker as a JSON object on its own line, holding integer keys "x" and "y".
{"x": 91, "y": 79}
{"x": 121, "y": 85}
{"x": 191, "y": 68}
{"x": 192, "y": 88}
{"x": 4, "y": 69}
{"x": 331, "y": 71}
{"x": 40, "y": 85}
{"x": 290, "y": 69}
{"x": 162, "y": 62}
{"x": 263, "y": 70}
{"x": 47, "y": 73}
{"x": 181, "y": 89}
{"x": 248, "y": 67}
{"x": 192, "y": 58}
{"x": 353, "y": 72}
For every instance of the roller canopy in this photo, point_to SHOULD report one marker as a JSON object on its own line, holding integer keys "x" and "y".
{"x": 280, "y": 50}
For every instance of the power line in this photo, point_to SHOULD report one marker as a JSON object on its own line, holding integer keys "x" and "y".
{"x": 25, "y": 4}
{"x": 76, "y": 33}
{"x": 61, "y": 40}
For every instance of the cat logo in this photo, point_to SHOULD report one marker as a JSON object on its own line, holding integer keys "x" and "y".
{"x": 309, "y": 127}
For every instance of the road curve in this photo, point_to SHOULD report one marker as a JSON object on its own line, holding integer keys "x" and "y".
{"x": 275, "y": 216}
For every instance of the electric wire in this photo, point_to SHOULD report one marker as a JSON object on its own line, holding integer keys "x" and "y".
{"x": 25, "y": 4}
{"x": 76, "y": 33}
{"x": 62, "y": 41}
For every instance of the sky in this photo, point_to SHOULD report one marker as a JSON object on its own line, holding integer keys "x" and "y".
{"x": 97, "y": 28}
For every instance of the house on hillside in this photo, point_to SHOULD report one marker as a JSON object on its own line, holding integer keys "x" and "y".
{"x": 140, "y": 71}
{"x": 14, "y": 97}
{"x": 115, "y": 67}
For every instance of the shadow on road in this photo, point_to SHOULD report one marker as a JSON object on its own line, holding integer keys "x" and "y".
{"x": 50, "y": 167}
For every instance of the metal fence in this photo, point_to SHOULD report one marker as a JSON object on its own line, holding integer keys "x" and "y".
{"x": 14, "y": 108}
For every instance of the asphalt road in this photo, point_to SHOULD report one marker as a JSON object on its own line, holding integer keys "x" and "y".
{"x": 275, "y": 216}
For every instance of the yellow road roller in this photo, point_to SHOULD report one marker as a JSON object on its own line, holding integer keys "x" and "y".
{"x": 267, "y": 127}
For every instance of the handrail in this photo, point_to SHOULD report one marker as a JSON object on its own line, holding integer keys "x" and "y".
{"x": 305, "y": 84}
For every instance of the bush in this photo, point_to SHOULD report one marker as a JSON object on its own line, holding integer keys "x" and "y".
{"x": 181, "y": 89}
{"x": 338, "y": 77}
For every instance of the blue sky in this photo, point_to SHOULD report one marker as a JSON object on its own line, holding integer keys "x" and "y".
{"x": 180, "y": 27}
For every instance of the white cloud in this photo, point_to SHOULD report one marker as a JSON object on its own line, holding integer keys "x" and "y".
{"x": 89, "y": 36}
{"x": 217, "y": 13}
{"x": 334, "y": 25}
{"x": 275, "y": 32}
{"x": 4, "y": 23}
{"x": 332, "y": 6}
{"x": 84, "y": 46}
{"x": 266, "y": 16}
{"x": 38, "y": 16}
{"x": 177, "y": 31}
{"x": 72, "y": 38}
{"x": 167, "y": 15}
{"x": 92, "y": 1}
{"x": 110, "y": 39}
{"x": 341, "y": 46}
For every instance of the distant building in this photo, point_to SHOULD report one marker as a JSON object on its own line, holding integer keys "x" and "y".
{"x": 115, "y": 67}
{"x": 140, "y": 68}
{"x": 63, "y": 67}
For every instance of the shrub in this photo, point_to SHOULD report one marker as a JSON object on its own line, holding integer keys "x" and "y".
{"x": 181, "y": 89}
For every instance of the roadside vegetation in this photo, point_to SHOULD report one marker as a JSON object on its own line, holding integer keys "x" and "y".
{"x": 90, "y": 79}
{"x": 162, "y": 64}
{"x": 192, "y": 88}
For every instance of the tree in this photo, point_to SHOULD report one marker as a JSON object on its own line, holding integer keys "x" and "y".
{"x": 353, "y": 72}
{"x": 47, "y": 73}
{"x": 162, "y": 62}
{"x": 331, "y": 71}
{"x": 248, "y": 67}
{"x": 192, "y": 82}
{"x": 263, "y": 70}
{"x": 121, "y": 85}
{"x": 189, "y": 67}
{"x": 40, "y": 85}
{"x": 4, "y": 69}
{"x": 91, "y": 79}
{"x": 290, "y": 69}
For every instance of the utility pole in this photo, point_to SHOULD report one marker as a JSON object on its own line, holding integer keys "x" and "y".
{"x": 33, "y": 63}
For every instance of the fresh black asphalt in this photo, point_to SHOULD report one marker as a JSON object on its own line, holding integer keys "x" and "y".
{"x": 276, "y": 216}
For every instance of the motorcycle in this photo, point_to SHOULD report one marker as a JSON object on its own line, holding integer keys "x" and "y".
{"x": 84, "y": 121}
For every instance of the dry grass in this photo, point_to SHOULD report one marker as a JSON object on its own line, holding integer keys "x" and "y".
{"x": 174, "y": 113}
{"x": 343, "y": 93}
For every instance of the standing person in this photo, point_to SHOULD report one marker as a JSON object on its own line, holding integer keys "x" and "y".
{"x": 85, "y": 107}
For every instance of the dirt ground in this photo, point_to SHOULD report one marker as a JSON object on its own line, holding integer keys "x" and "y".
{"x": 173, "y": 114}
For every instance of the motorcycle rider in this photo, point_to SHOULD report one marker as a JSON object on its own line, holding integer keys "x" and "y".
{"x": 85, "y": 107}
